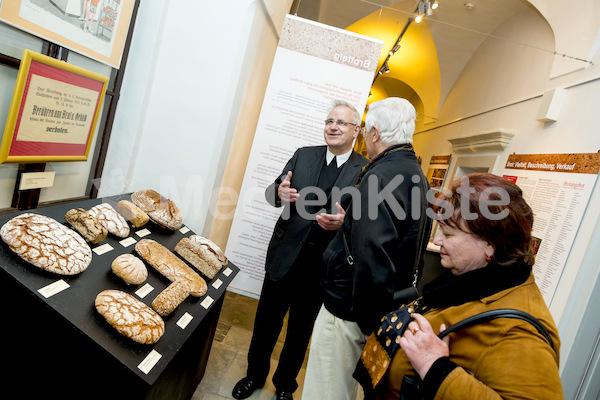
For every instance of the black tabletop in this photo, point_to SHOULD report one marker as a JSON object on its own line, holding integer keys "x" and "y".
{"x": 76, "y": 302}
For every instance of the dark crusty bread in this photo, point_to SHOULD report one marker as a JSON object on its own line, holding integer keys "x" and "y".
{"x": 86, "y": 224}
{"x": 161, "y": 210}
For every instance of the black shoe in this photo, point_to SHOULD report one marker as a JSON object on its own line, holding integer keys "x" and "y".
{"x": 283, "y": 395}
{"x": 244, "y": 388}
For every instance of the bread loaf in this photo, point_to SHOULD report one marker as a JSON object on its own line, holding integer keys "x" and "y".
{"x": 161, "y": 210}
{"x": 170, "y": 298}
{"x": 132, "y": 213}
{"x": 130, "y": 317}
{"x": 111, "y": 219}
{"x": 86, "y": 224}
{"x": 202, "y": 253}
{"x": 171, "y": 266}
{"x": 130, "y": 268}
{"x": 47, "y": 244}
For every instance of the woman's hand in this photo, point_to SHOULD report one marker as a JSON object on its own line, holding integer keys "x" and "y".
{"x": 422, "y": 346}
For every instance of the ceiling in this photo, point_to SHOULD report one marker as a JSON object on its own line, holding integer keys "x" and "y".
{"x": 432, "y": 54}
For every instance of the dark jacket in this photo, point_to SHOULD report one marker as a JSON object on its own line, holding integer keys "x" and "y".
{"x": 290, "y": 233}
{"x": 382, "y": 238}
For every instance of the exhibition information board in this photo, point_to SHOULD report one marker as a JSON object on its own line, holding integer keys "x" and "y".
{"x": 314, "y": 65}
{"x": 558, "y": 189}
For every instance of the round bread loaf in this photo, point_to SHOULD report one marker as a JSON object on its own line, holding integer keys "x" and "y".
{"x": 132, "y": 213}
{"x": 130, "y": 317}
{"x": 47, "y": 244}
{"x": 130, "y": 268}
{"x": 111, "y": 219}
{"x": 161, "y": 210}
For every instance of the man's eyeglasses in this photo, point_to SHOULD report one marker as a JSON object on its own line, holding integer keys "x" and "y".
{"x": 340, "y": 122}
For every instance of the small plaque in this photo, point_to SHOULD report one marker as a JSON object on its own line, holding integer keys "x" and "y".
{"x": 37, "y": 180}
{"x": 53, "y": 288}
{"x": 127, "y": 241}
{"x": 144, "y": 290}
{"x": 149, "y": 362}
{"x": 184, "y": 230}
{"x": 227, "y": 271}
{"x": 143, "y": 232}
{"x": 217, "y": 284}
{"x": 207, "y": 302}
{"x": 105, "y": 248}
{"x": 184, "y": 320}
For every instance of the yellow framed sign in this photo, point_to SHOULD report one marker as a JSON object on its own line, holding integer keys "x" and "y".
{"x": 53, "y": 113}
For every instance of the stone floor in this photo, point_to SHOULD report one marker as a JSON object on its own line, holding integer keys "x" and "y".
{"x": 227, "y": 361}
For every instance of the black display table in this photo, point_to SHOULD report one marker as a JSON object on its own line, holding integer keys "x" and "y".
{"x": 60, "y": 346}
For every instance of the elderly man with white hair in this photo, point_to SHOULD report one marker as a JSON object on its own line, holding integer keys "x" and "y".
{"x": 375, "y": 253}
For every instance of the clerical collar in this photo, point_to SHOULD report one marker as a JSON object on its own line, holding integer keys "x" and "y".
{"x": 341, "y": 159}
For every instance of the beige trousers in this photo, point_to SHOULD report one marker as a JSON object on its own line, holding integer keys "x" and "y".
{"x": 335, "y": 348}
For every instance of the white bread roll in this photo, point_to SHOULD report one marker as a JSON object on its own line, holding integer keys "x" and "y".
{"x": 130, "y": 317}
{"x": 130, "y": 268}
{"x": 111, "y": 219}
{"x": 47, "y": 244}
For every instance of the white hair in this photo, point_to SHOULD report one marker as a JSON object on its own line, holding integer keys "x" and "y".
{"x": 395, "y": 119}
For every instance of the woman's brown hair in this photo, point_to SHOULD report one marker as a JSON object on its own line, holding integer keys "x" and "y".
{"x": 496, "y": 213}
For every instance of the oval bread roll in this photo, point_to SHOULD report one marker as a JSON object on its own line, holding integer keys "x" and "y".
{"x": 168, "y": 300}
{"x": 130, "y": 268}
{"x": 111, "y": 219}
{"x": 47, "y": 244}
{"x": 132, "y": 213}
{"x": 130, "y": 317}
{"x": 171, "y": 266}
{"x": 161, "y": 210}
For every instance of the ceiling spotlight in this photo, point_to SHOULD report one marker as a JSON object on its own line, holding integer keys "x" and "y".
{"x": 418, "y": 18}
{"x": 434, "y": 5}
{"x": 394, "y": 49}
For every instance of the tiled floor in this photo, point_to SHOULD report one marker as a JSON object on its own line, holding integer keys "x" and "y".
{"x": 227, "y": 361}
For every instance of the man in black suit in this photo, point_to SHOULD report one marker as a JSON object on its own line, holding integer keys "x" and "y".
{"x": 309, "y": 189}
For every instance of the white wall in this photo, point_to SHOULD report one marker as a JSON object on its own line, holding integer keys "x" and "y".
{"x": 498, "y": 91}
{"x": 178, "y": 92}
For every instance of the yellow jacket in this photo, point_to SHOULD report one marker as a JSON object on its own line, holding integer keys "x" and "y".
{"x": 502, "y": 359}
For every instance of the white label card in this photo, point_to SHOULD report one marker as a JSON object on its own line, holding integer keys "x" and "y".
{"x": 144, "y": 290}
{"x": 53, "y": 288}
{"x": 227, "y": 271}
{"x": 143, "y": 232}
{"x": 184, "y": 320}
{"x": 105, "y": 248}
{"x": 207, "y": 302}
{"x": 217, "y": 284}
{"x": 128, "y": 241}
{"x": 185, "y": 229}
{"x": 149, "y": 362}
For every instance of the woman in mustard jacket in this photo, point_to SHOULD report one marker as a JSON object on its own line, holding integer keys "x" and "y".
{"x": 485, "y": 243}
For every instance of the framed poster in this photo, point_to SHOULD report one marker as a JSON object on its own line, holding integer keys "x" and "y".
{"x": 53, "y": 113}
{"x": 94, "y": 28}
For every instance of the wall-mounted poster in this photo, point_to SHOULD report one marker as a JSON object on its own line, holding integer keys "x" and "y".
{"x": 53, "y": 113}
{"x": 438, "y": 169}
{"x": 558, "y": 189}
{"x": 95, "y": 28}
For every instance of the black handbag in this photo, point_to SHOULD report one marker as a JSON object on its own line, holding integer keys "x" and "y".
{"x": 411, "y": 384}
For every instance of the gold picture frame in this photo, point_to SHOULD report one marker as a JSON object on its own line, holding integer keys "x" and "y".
{"x": 54, "y": 111}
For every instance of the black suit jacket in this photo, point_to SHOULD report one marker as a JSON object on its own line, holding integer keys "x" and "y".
{"x": 292, "y": 229}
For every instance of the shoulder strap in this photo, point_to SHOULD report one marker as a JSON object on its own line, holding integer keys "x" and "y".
{"x": 501, "y": 313}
